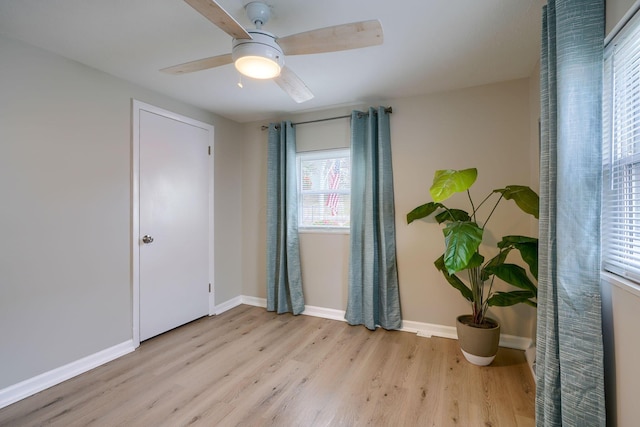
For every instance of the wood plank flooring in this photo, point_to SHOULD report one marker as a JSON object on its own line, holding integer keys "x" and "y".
{"x": 249, "y": 367}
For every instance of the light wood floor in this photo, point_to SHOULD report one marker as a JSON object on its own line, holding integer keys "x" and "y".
{"x": 248, "y": 367}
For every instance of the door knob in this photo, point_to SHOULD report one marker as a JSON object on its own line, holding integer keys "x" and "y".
{"x": 147, "y": 239}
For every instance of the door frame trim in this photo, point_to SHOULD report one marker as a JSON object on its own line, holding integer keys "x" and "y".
{"x": 136, "y": 107}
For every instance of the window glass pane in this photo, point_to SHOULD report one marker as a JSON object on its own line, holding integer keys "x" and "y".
{"x": 325, "y": 210}
{"x": 325, "y": 174}
{"x": 324, "y": 189}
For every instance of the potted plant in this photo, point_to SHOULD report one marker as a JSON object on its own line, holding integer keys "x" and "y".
{"x": 463, "y": 231}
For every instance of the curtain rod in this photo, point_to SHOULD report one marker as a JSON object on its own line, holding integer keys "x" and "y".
{"x": 387, "y": 110}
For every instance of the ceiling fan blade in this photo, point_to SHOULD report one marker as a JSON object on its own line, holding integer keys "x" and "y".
{"x": 216, "y": 14}
{"x": 293, "y": 85}
{"x": 332, "y": 39}
{"x": 200, "y": 64}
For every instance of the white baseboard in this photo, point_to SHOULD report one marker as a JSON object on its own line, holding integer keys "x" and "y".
{"x": 325, "y": 313}
{"x": 309, "y": 310}
{"x": 422, "y": 329}
{"x": 429, "y": 330}
{"x": 432, "y": 330}
{"x": 530, "y": 355}
{"x": 228, "y": 305}
{"x": 48, "y": 379}
{"x": 255, "y": 301}
{"x": 517, "y": 343}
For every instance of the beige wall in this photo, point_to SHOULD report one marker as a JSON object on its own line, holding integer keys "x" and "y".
{"x": 486, "y": 127}
{"x": 616, "y": 10}
{"x": 65, "y": 165}
{"x": 228, "y": 228}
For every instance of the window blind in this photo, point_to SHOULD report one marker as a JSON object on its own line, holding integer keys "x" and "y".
{"x": 324, "y": 189}
{"x": 621, "y": 154}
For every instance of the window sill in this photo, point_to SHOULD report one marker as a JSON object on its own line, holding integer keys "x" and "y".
{"x": 621, "y": 282}
{"x": 323, "y": 231}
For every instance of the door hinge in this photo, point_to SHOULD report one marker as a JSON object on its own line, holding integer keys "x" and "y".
{"x": 209, "y": 287}
{"x": 209, "y": 150}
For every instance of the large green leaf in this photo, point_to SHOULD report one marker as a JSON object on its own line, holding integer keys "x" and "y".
{"x": 528, "y": 247}
{"x": 462, "y": 239}
{"x": 495, "y": 261}
{"x": 452, "y": 215}
{"x": 449, "y": 181}
{"x": 454, "y": 280}
{"x": 515, "y": 240}
{"x": 475, "y": 261}
{"x": 504, "y": 299}
{"x": 514, "y": 275}
{"x": 525, "y": 197}
{"x": 423, "y": 211}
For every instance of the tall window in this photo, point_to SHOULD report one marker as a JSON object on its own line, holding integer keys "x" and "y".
{"x": 324, "y": 189}
{"x": 621, "y": 154}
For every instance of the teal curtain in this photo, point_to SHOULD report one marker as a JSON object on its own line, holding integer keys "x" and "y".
{"x": 373, "y": 297}
{"x": 284, "y": 280}
{"x": 569, "y": 359}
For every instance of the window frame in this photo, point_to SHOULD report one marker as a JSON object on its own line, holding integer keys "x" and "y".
{"x": 311, "y": 155}
{"x": 620, "y": 212}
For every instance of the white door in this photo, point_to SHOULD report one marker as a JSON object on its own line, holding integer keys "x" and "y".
{"x": 174, "y": 209}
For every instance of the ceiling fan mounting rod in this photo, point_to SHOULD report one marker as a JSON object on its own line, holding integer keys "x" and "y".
{"x": 258, "y": 13}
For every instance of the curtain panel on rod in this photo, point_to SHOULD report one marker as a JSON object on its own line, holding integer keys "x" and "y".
{"x": 284, "y": 279}
{"x": 373, "y": 296}
{"x": 569, "y": 357}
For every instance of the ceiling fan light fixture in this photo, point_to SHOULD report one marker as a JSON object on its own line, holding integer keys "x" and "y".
{"x": 257, "y": 67}
{"x": 259, "y": 57}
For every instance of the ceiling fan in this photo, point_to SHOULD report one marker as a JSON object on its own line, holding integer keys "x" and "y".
{"x": 259, "y": 54}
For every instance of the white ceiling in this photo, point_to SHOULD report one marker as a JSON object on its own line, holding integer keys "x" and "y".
{"x": 429, "y": 46}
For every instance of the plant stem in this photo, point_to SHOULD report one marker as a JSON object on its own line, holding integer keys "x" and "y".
{"x": 477, "y": 289}
{"x": 486, "y": 302}
{"x": 492, "y": 211}
{"x": 481, "y": 203}
{"x": 448, "y": 211}
{"x": 473, "y": 208}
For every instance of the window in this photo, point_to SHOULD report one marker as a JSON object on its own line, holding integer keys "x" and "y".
{"x": 324, "y": 189}
{"x": 621, "y": 154}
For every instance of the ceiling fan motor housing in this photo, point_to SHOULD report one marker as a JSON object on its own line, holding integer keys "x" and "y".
{"x": 262, "y": 45}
